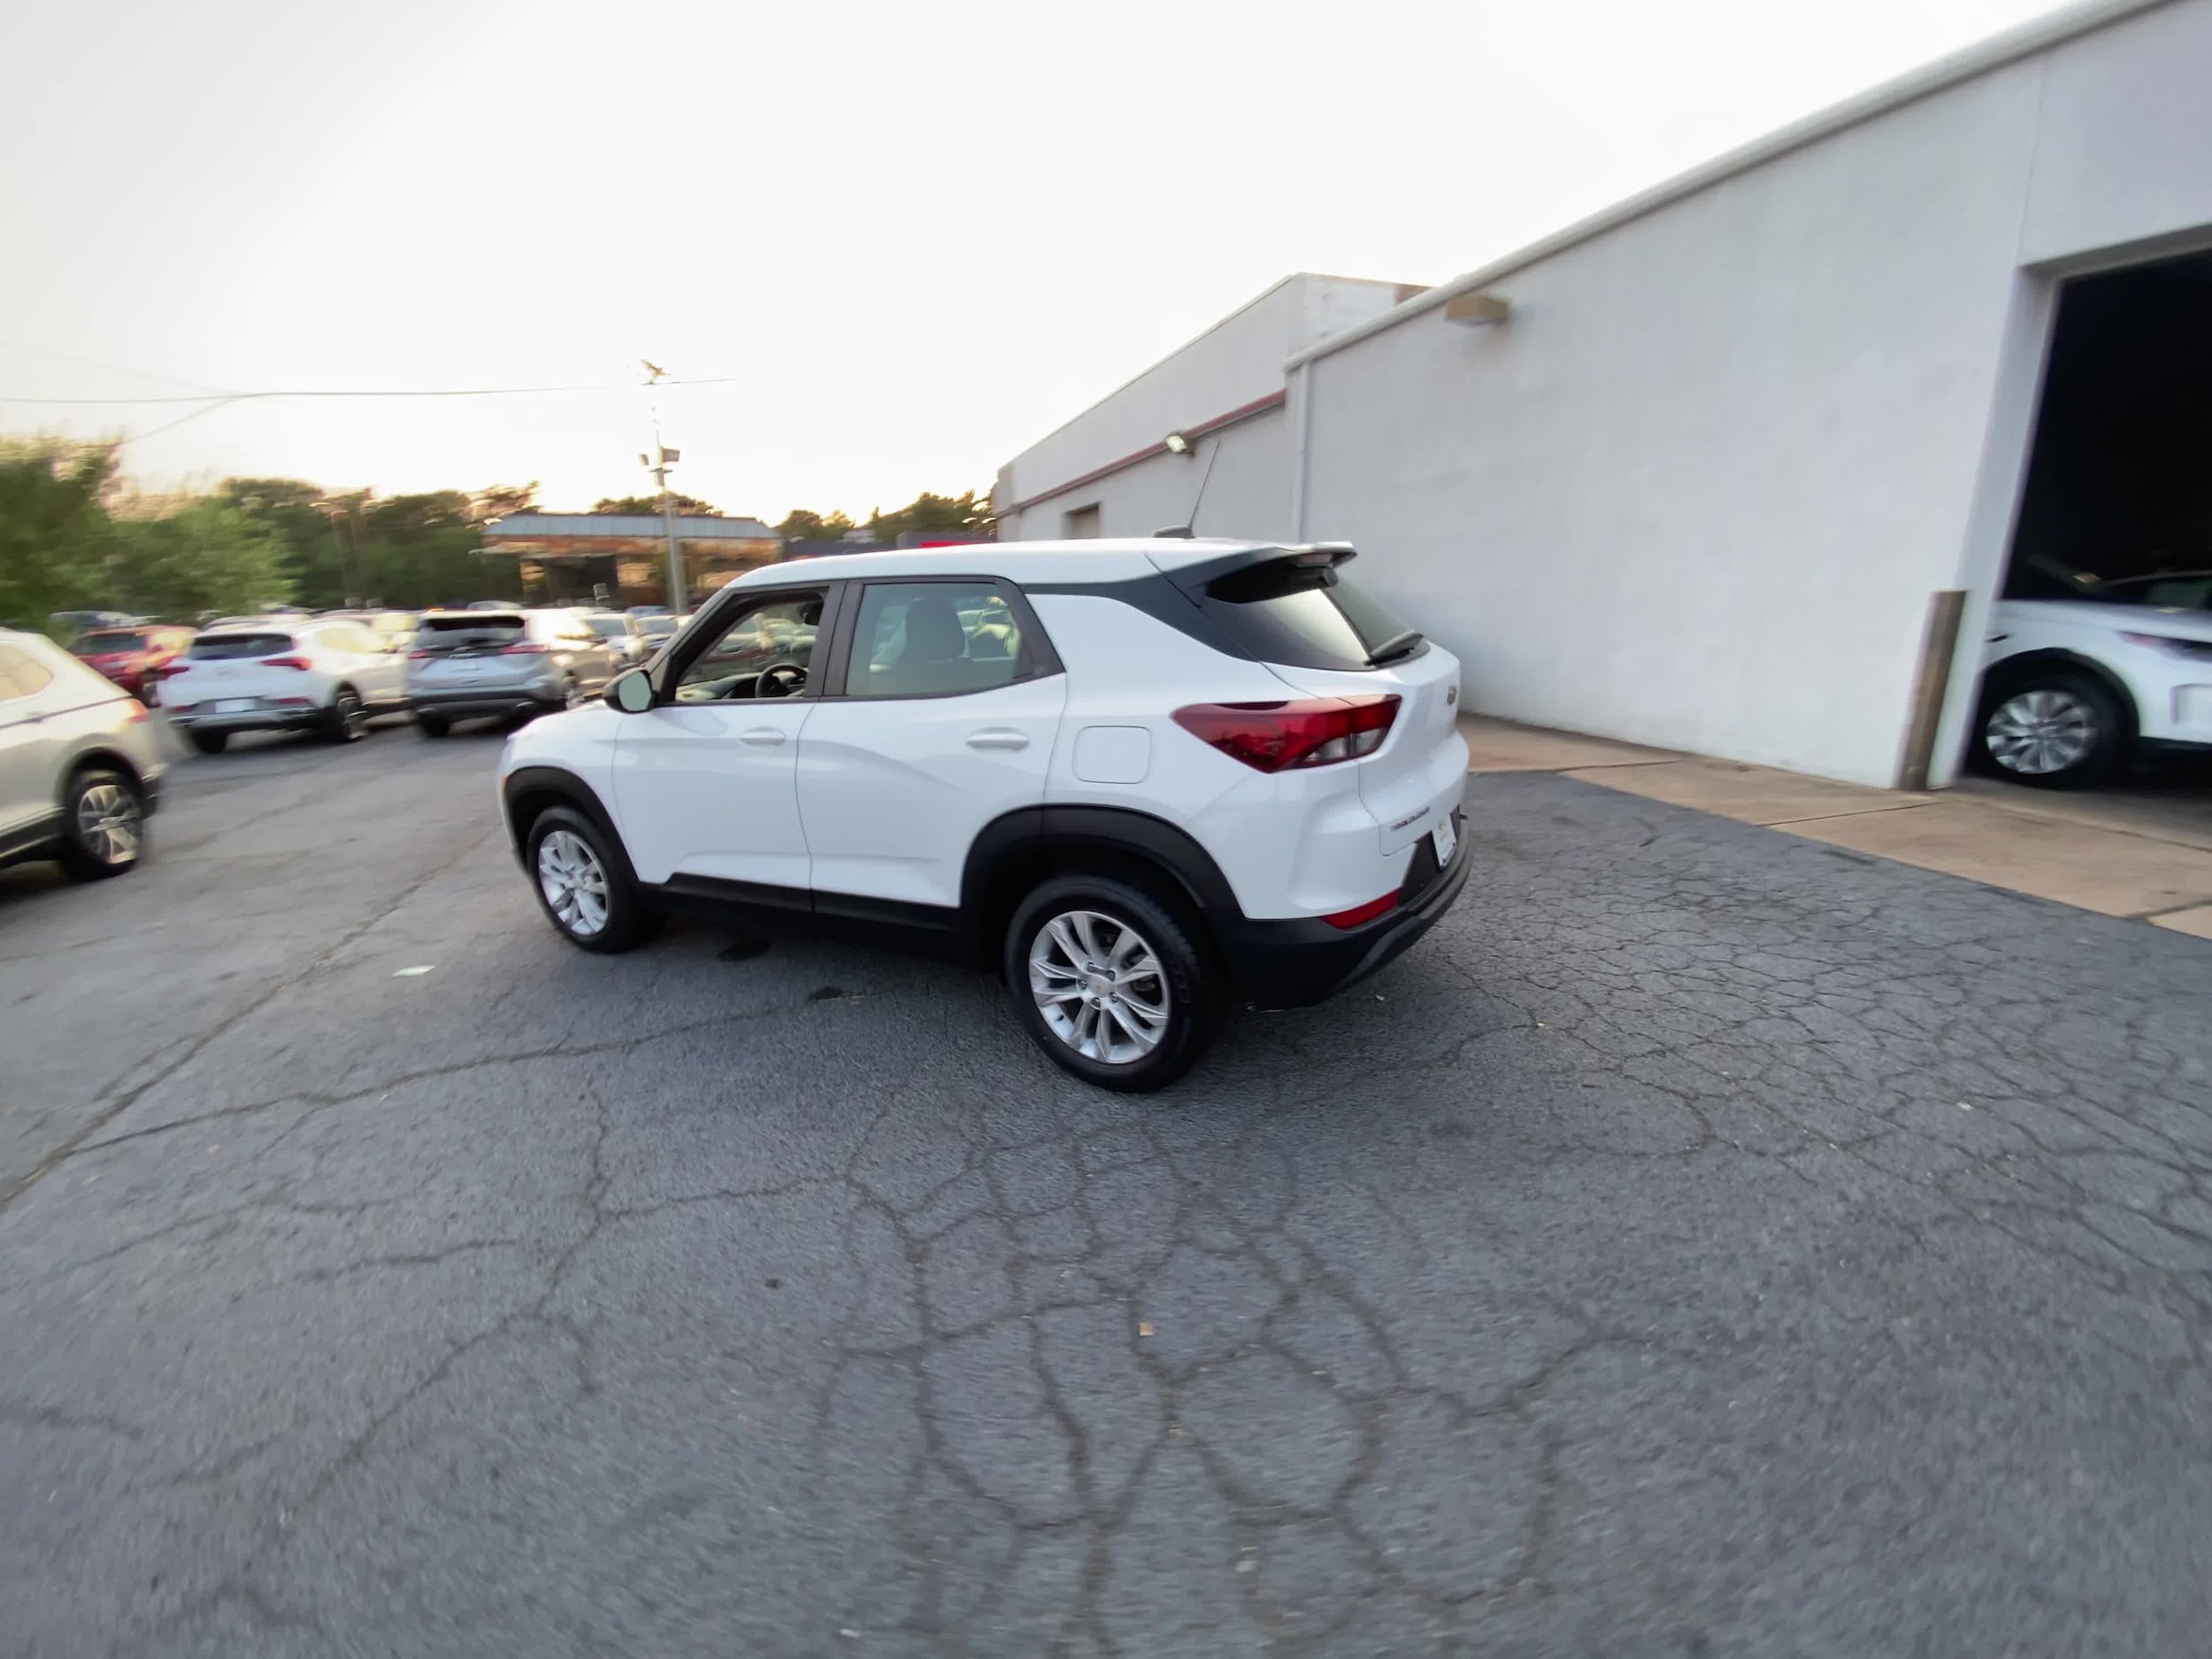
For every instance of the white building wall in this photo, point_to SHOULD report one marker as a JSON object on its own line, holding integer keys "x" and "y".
{"x": 1697, "y": 491}
{"x": 1247, "y": 496}
{"x": 1236, "y": 363}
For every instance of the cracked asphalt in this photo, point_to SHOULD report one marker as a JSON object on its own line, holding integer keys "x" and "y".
{"x": 1705, "y": 1242}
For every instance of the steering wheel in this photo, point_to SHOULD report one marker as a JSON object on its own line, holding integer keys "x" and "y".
{"x": 780, "y": 679}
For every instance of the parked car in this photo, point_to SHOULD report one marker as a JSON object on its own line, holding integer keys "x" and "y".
{"x": 1174, "y": 776}
{"x": 2072, "y": 686}
{"x": 326, "y": 676}
{"x": 624, "y": 637}
{"x": 657, "y": 628}
{"x": 394, "y": 628}
{"x": 505, "y": 665}
{"x": 133, "y": 658}
{"x": 69, "y": 624}
{"x": 81, "y": 769}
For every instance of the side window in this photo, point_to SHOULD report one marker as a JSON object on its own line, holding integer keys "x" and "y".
{"x": 933, "y": 639}
{"x": 21, "y": 674}
{"x": 765, "y": 651}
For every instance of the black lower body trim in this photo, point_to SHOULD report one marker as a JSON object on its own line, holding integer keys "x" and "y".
{"x": 1296, "y": 964}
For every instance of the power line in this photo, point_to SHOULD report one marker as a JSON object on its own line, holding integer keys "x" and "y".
{"x": 108, "y": 368}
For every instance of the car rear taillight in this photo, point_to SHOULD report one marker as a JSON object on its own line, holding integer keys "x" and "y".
{"x": 286, "y": 662}
{"x": 420, "y": 656}
{"x": 525, "y": 648}
{"x": 1276, "y": 736}
{"x": 1359, "y": 913}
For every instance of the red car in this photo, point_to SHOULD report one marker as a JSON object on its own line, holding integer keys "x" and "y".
{"x": 133, "y": 658}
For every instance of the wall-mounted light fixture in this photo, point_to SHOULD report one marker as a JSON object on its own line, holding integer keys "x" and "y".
{"x": 1477, "y": 311}
{"x": 1176, "y": 444}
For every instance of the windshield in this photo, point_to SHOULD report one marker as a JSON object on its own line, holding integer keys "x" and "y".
{"x": 221, "y": 647}
{"x": 473, "y": 631}
{"x": 607, "y": 627}
{"x": 656, "y": 628}
{"x": 100, "y": 644}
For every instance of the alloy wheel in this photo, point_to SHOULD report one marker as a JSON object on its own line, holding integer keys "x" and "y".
{"x": 110, "y": 824}
{"x": 2041, "y": 731}
{"x": 1099, "y": 986}
{"x": 574, "y": 883}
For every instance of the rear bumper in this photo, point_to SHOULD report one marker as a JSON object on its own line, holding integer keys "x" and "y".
{"x": 1294, "y": 963}
{"x": 463, "y": 705}
{"x": 251, "y": 720}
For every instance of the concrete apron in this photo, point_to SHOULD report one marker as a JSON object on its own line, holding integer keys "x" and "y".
{"x": 2101, "y": 855}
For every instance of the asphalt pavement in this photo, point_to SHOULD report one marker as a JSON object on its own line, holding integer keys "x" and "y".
{"x": 1708, "y": 1241}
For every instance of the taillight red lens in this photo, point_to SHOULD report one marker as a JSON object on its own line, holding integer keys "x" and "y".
{"x": 525, "y": 648}
{"x": 420, "y": 656}
{"x": 1359, "y": 913}
{"x": 286, "y": 662}
{"x": 1276, "y": 736}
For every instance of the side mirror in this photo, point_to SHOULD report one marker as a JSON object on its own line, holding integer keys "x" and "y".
{"x": 631, "y": 692}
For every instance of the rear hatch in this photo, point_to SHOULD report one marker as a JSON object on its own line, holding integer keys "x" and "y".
{"x": 473, "y": 650}
{"x": 1298, "y": 613}
{"x": 247, "y": 669}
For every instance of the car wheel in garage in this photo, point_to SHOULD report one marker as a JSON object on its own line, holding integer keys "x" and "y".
{"x": 2055, "y": 729}
{"x": 585, "y": 893}
{"x": 432, "y": 725}
{"x": 104, "y": 829}
{"x": 208, "y": 742}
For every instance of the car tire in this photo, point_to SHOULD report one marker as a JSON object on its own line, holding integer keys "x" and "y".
{"x": 2052, "y": 728}
{"x": 1097, "y": 1025}
{"x": 104, "y": 823}
{"x": 432, "y": 725}
{"x": 570, "y": 865}
{"x": 208, "y": 742}
{"x": 348, "y": 721}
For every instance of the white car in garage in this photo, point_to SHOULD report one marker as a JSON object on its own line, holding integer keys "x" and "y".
{"x": 287, "y": 672}
{"x": 2071, "y": 686}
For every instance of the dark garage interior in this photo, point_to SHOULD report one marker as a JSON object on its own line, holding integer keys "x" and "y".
{"x": 2119, "y": 482}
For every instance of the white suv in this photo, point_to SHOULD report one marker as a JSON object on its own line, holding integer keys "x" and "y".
{"x": 287, "y": 673}
{"x": 2072, "y": 686}
{"x": 1146, "y": 780}
{"x": 81, "y": 767}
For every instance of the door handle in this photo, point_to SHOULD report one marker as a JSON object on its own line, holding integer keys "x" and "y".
{"x": 998, "y": 737}
{"x": 761, "y": 736}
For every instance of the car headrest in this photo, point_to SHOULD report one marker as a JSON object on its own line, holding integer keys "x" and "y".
{"x": 934, "y": 634}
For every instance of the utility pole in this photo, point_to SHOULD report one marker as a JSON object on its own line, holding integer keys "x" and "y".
{"x": 663, "y": 459}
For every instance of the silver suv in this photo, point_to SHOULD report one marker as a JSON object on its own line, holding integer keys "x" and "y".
{"x": 503, "y": 664}
{"x": 79, "y": 765}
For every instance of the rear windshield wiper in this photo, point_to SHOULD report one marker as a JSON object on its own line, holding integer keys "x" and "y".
{"x": 1400, "y": 644}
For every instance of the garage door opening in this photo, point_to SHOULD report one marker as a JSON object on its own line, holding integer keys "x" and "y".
{"x": 2100, "y": 653}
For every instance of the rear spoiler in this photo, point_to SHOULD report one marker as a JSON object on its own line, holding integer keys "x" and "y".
{"x": 1192, "y": 580}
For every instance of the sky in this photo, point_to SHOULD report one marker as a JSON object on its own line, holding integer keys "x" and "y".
{"x": 908, "y": 241}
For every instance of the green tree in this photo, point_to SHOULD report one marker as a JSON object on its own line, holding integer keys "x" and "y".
{"x": 969, "y": 512}
{"x": 53, "y": 528}
{"x": 502, "y": 501}
{"x": 428, "y": 549}
{"x": 637, "y": 504}
{"x": 310, "y": 522}
{"x": 799, "y": 525}
{"x": 209, "y": 555}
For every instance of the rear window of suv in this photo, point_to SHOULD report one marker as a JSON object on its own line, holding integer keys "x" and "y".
{"x": 1304, "y": 615}
{"x": 222, "y": 647}
{"x": 473, "y": 630}
{"x": 100, "y": 644}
